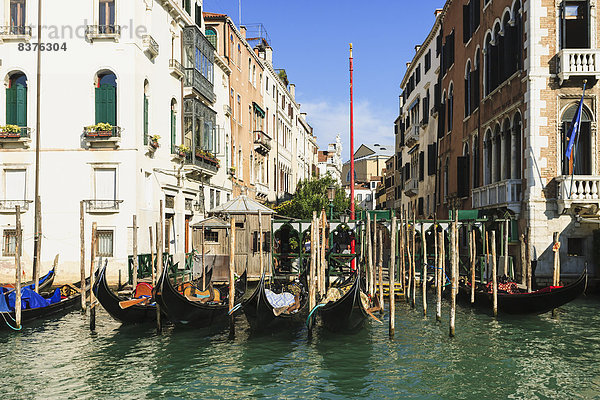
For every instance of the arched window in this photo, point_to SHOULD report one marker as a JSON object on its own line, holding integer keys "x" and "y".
{"x": 17, "y": 17}
{"x": 487, "y": 158}
{"x": 450, "y": 106}
{"x": 173, "y": 125}
{"x": 506, "y": 150}
{"x": 475, "y": 79}
{"x": 517, "y": 36}
{"x": 487, "y": 54}
{"x": 16, "y": 100}
{"x": 517, "y": 152}
{"x": 446, "y": 171}
{"x": 497, "y": 154}
{"x": 508, "y": 55}
{"x": 476, "y": 165}
{"x": 211, "y": 35}
{"x": 231, "y": 47}
{"x": 581, "y": 155}
{"x": 239, "y": 56}
{"x": 468, "y": 89}
{"x": 146, "y": 109}
{"x": 495, "y": 62}
{"x": 106, "y": 98}
{"x": 249, "y": 70}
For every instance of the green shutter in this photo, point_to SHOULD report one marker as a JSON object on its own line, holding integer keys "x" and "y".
{"x": 21, "y": 105}
{"x": 106, "y": 104}
{"x": 145, "y": 119}
{"x": 173, "y": 129}
{"x": 11, "y": 106}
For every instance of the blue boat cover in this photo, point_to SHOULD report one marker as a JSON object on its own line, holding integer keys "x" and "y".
{"x": 29, "y": 299}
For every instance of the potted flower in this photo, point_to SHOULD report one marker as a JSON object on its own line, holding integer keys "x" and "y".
{"x": 100, "y": 129}
{"x": 10, "y": 131}
{"x": 231, "y": 170}
{"x": 182, "y": 150}
{"x": 154, "y": 141}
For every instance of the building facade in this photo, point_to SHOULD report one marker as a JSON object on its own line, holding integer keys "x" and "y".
{"x": 330, "y": 160}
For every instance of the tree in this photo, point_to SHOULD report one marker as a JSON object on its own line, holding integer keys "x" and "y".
{"x": 311, "y": 195}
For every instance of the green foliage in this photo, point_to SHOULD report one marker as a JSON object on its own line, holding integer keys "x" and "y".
{"x": 99, "y": 127}
{"x": 10, "y": 129}
{"x": 311, "y": 195}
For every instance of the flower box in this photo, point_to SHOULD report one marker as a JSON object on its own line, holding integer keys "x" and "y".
{"x": 10, "y": 134}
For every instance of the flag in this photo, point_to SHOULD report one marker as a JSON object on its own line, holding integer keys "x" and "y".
{"x": 574, "y": 127}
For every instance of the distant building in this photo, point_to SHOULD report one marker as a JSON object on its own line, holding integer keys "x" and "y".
{"x": 330, "y": 161}
{"x": 369, "y": 161}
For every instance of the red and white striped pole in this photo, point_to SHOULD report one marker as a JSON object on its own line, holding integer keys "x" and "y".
{"x": 352, "y": 211}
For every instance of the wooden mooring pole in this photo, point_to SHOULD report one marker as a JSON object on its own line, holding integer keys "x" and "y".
{"x": 232, "y": 277}
{"x": 391, "y": 280}
{"x": 159, "y": 261}
{"x": 523, "y": 260}
{"x": 424, "y": 273}
{"x": 412, "y": 261}
{"x": 82, "y": 252}
{"x": 313, "y": 261}
{"x": 152, "y": 256}
{"x": 323, "y": 255}
{"x": 134, "y": 280}
{"x": 18, "y": 245}
{"x": 494, "y": 275}
{"x": 92, "y": 265}
{"x": 260, "y": 246}
{"x": 556, "y": 271}
{"x": 473, "y": 257}
{"x": 380, "y": 266}
{"x": 403, "y": 258}
{"x": 440, "y": 272}
{"x": 528, "y": 259}
{"x": 454, "y": 268}
{"x": 369, "y": 254}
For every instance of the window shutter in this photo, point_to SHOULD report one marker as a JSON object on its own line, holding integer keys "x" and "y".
{"x": 475, "y": 9}
{"x": 462, "y": 176}
{"x": 100, "y": 106}
{"x": 11, "y": 106}
{"x": 466, "y": 23}
{"x": 111, "y": 105}
{"x": 173, "y": 130}
{"x": 145, "y": 119}
{"x": 583, "y": 165}
{"x": 21, "y": 105}
{"x": 431, "y": 157}
{"x": 421, "y": 166}
{"x": 406, "y": 171}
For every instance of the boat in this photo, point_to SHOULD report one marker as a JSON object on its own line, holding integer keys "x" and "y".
{"x": 538, "y": 302}
{"x": 262, "y": 315}
{"x": 182, "y": 311}
{"x": 45, "y": 284}
{"x": 346, "y": 314}
{"x": 61, "y": 300}
{"x": 135, "y": 314}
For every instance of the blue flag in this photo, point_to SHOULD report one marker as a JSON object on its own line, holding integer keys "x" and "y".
{"x": 574, "y": 127}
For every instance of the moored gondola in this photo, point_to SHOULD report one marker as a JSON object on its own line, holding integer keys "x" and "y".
{"x": 135, "y": 314}
{"x": 62, "y": 300}
{"x": 45, "y": 284}
{"x": 182, "y": 311}
{"x": 538, "y": 302}
{"x": 346, "y": 314}
{"x": 263, "y": 315}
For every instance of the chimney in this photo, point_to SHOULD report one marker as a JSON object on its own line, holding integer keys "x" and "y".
{"x": 243, "y": 31}
{"x": 293, "y": 91}
{"x": 417, "y": 47}
{"x": 269, "y": 54}
{"x": 437, "y": 12}
{"x": 407, "y": 65}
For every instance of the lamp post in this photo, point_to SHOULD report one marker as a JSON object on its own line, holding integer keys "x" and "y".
{"x": 331, "y": 197}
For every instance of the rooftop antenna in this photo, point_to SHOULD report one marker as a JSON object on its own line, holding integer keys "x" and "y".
{"x": 240, "y": 11}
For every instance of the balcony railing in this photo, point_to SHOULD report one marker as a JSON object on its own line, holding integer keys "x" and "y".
{"x": 584, "y": 189}
{"x": 412, "y": 135}
{"x": 578, "y": 62}
{"x": 102, "y": 205}
{"x": 23, "y": 133}
{"x": 176, "y": 68}
{"x": 9, "y": 205}
{"x": 150, "y": 45}
{"x": 93, "y": 32}
{"x": 262, "y": 142}
{"x": 411, "y": 188}
{"x": 90, "y": 133}
{"x": 500, "y": 193}
{"x": 15, "y": 32}
{"x": 205, "y": 164}
{"x": 195, "y": 80}
{"x": 262, "y": 189}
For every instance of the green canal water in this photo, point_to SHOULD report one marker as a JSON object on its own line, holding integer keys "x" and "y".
{"x": 524, "y": 358}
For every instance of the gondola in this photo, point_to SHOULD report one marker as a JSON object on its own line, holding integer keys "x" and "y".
{"x": 138, "y": 313}
{"x": 182, "y": 311}
{"x": 537, "y": 302}
{"x": 346, "y": 314}
{"x": 262, "y": 315}
{"x": 45, "y": 284}
{"x": 69, "y": 295}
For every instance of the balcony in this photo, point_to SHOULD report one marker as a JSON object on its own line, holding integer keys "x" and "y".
{"x": 506, "y": 193}
{"x": 8, "y": 206}
{"x": 262, "y": 143}
{"x": 412, "y": 135}
{"x": 102, "y": 206}
{"x": 150, "y": 46}
{"x": 584, "y": 191}
{"x": 15, "y": 33}
{"x": 199, "y": 165}
{"x": 411, "y": 188}
{"x": 95, "y": 137}
{"x": 176, "y": 69}
{"x": 578, "y": 62}
{"x": 227, "y": 110}
{"x": 197, "y": 82}
{"x": 103, "y": 32}
{"x": 15, "y": 137}
{"x": 262, "y": 190}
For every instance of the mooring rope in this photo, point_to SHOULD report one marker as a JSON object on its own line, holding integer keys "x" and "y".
{"x": 235, "y": 308}
{"x": 9, "y": 325}
{"x": 311, "y": 313}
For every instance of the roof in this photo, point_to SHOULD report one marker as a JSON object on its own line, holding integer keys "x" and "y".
{"x": 322, "y": 156}
{"x": 241, "y": 205}
{"x": 374, "y": 150}
{"x": 213, "y": 15}
{"x": 212, "y": 222}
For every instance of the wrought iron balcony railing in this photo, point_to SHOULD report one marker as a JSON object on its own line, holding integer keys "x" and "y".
{"x": 150, "y": 45}
{"x": 17, "y": 32}
{"x": 95, "y": 134}
{"x": 103, "y": 32}
{"x": 195, "y": 80}
{"x": 412, "y": 135}
{"x": 23, "y": 133}
{"x": 176, "y": 68}
{"x": 102, "y": 205}
{"x": 262, "y": 142}
{"x": 9, "y": 205}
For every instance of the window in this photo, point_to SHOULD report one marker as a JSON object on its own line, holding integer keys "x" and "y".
{"x": 581, "y": 155}
{"x": 468, "y": 89}
{"x": 575, "y": 26}
{"x": 198, "y": 16}
{"x": 431, "y": 158}
{"x": 187, "y": 6}
{"x": 16, "y": 100}
{"x": 470, "y": 19}
{"x": 211, "y": 35}
{"x": 173, "y": 125}
{"x": 266, "y": 242}
{"x": 239, "y": 56}
{"x": 212, "y": 198}
{"x": 105, "y": 184}
{"x": 427, "y": 61}
{"x": 104, "y": 241}
{"x": 146, "y": 109}
{"x": 418, "y": 74}
{"x": 575, "y": 247}
{"x": 106, "y": 16}
{"x": 106, "y": 98}
{"x": 368, "y": 197}
{"x": 17, "y": 17}
{"x": 450, "y": 107}
{"x": 14, "y": 184}
{"x": 359, "y": 197}
{"x": 10, "y": 243}
{"x": 211, "y": 236}
{"x": 421, "y": 166}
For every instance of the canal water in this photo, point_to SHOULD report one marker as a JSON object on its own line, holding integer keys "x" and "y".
{"x": 525, "y": 358}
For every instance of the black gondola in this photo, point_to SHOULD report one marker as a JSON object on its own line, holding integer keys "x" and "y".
{"x": 45, "y": 284}
{"x": 537, "y": 302}
{"x": 346, "y": 314}
{"x": 182, "y": 311}
{"x": 135, "y": 314}
{"x": 72, "y": 300}
{"x": 260, "y": 313}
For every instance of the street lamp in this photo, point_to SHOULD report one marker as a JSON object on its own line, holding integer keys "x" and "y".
{"x": 344, "y": 218}
{"x": 331, "y": 197}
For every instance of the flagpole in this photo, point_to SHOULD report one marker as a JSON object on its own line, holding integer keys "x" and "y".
{"x": 352, "y": 211}
{"x": 577, "y": 140}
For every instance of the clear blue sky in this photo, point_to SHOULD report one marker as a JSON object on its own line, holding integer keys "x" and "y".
{"x": 310, "y": 41}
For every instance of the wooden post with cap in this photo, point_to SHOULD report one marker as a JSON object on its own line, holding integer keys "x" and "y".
{"x": 232, "y": 277}
{"x": 494, "y": 275}
{"x": 92, "y": 265}
{"x": 82, "y": 252}
{"x": 392, "y": 281}
{"x": 18, "y": 244}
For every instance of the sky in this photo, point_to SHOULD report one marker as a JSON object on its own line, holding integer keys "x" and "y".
{"x": 310, "y": 40}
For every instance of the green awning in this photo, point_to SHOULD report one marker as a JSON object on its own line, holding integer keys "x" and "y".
{"x": 258, "y": 109}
